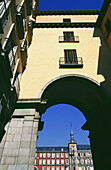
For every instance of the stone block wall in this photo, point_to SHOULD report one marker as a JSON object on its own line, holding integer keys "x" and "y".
{"x": 18, "y": 147}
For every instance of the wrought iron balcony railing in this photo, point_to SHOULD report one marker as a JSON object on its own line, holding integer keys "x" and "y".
{"x": 11, "y": 56}
{"x": 69, "y": 39}
{"x": 3, "y": 6}
{"x": 71, "y": 62}
{"x": 17, "y": 85}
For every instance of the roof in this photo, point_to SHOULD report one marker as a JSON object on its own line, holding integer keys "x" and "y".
{"x": 62, "y": 149}
{"x": 83, "y": 147}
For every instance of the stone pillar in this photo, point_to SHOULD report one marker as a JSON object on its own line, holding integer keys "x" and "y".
{"x": 18, "y": 147}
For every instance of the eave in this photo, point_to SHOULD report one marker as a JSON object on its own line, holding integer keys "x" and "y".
{"x": 69, "y": 12}
{"x": 65, "y": 25}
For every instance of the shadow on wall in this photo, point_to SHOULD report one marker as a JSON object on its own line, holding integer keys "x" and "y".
{"x": 104, "y": 61}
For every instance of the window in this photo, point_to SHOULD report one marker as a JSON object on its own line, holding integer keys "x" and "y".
{"x": 40, "y": 155}
{"x": 62, "y": 168}
{"x": 62, "y": 161}
{"x": 67, "y": 20}
{"x": 53, "y": 161}
{"x": 62, "y": 155}
{"x": 44, "y": 155}
{"x": 53, "y": 168}
{"x": 67, "y": 168}
{"x": 81, "y": 153}
{"x": 108, "y": 26}
{"x": 43, "y": 168}
{"x": 70, "y": 56}
{"x": 88, "y": 161}
{"x": 84, "y": 154}
{"x": 85, "y": 161}
{"x": 82, "y": 161}
{"x": 74, "y": 161}
{"x": 48, "y": 161}
{"x": 48, "y": 168}
{"x": 66, "y": 155}
{"x": 57, "y": 168}
{"x": 91, "y": 161}
{"x": 48, "y": 155}
{"x": 57, "y": 155}
{"x": 40, "y": 161}
{"x": 44, "y": 161}
{"x": 62, "y": 149}
{"x": 57, "y": 161}
{"x": 68, "y": 36}
{"x": 67, "y": 161}
{"x": 53, "y": 155}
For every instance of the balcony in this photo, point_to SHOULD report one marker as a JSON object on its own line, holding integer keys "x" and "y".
{"x": 3, "y": 6}
{"x": 17, "y": 85}
{"x": 20, "y": 26}
{"x": 71, "y": 62}
{"x": 3, "y": 14}
{"x": 72, "y": 39}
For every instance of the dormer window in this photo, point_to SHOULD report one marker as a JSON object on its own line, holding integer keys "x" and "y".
{"x": 67, "y": 20}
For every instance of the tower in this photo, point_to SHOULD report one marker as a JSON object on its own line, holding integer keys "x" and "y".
{"x": 72, "y": 146}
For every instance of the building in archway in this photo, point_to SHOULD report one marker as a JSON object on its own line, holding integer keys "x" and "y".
{"x": 76, "y": 157}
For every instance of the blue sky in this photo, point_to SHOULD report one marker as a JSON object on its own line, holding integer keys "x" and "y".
{"x": 58, "y": 118}
{"x": 70, "y": 4}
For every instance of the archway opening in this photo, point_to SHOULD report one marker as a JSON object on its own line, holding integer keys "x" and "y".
{"x": 90, "y": 98}
{"x": 57, "y": 124}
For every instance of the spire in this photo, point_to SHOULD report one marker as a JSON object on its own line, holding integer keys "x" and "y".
{"x": 71, "y": 136}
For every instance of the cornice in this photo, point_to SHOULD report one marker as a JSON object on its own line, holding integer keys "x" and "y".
{"x": 70, "y": 12}
{"x": 65, "y": 25}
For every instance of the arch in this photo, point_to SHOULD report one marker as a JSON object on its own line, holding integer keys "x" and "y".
{"x": 66, "y": 75}
{"x": 92, "y": 100}
{"x": 82, "y": 92}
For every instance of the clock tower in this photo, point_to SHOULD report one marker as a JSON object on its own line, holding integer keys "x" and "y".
{"x": 72, "y": 146}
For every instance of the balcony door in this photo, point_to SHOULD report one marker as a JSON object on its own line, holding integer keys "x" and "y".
{"x": 68, "y": 36}
{"x": 70, "y": 56}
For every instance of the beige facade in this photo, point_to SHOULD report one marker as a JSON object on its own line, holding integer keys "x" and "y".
{"x": 46, "y": 50}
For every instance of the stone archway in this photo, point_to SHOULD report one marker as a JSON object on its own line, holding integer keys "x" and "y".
{"x": 18, "y": 146}
{"x": 91, "y": 99}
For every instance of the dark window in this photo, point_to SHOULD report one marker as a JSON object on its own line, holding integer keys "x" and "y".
{"x": 108, "y": 26}
{"x": 68, "y": 36}
{"x": 78, "y": 154}
{"x": 67, "y": 20}
{"x": 70, "y": 56}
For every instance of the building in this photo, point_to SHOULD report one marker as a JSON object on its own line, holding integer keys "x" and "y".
{"x": 76, "y": 157}
{"x": 67, "y": 60}
{"x": 104, "y": 21}
{"x": 15, "y": 37}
